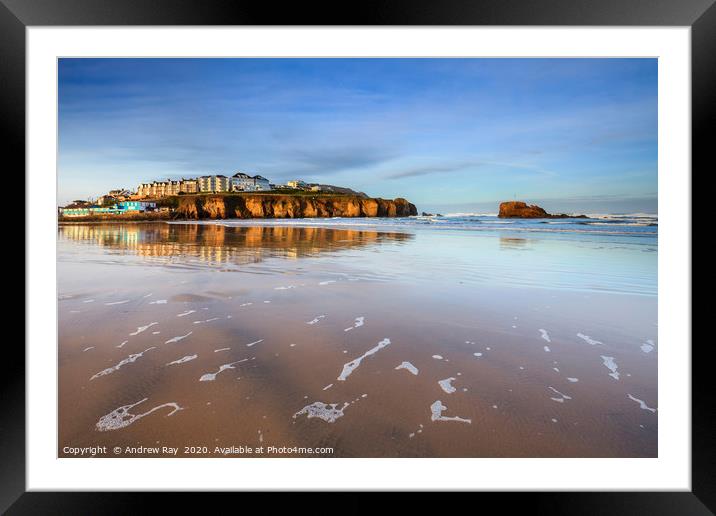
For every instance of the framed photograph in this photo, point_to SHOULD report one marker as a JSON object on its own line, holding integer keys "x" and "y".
{"x": 435, "y": 249}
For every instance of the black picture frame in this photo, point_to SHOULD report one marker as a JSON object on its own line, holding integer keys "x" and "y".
{"x": 700, "y": 15}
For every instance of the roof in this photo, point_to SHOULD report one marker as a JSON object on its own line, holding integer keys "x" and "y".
{"x": 242, "y": 175}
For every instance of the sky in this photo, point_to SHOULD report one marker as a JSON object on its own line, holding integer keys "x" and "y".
{"x": 450, "y": 135}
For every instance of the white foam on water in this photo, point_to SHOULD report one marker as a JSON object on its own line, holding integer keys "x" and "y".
{"x": 328, "y": 386}
{"x": 140, "y": 329}
{"x": 122, "y": 344}
{"x": 148, "y": 295}
{"x": 88, "y": 301}
{"x": 610, "y": 364}
{"x": 546, "y": 348}
{"x": 267, "y": 301}
{"x": 183, "y": 359}
{"x": 327, "y": 412}
{"x": 121, "y": 418}
{"x": 446, "y": 385}
{"x": 410, "y": 367}
{"x": 177, "y": 339}
{"x": 562, "y": 396}
{"x": 438, "y": 408}
{"x": 588, "y": 339}
{"x": 642, "y": 405}
{"x": 556, "y": 369}
{"x": 357, "y": 324}
{"x": 349, "y": 367}
{"x": 117, "y": 302}
{"x": 156, "y": 332}
{"x": 314, "y": 321}
{"x": 326, "y": 282}
{"x": 554, "y": 420}
{"x": 477, "y": 354}
{"x": 254, "y": 343}
{"x": 207, "y": 320}
{"x": 437, "y": 357}
{"x": 246, "y": 304}
{"x": 285, "y": 288}
{"x": 210, "y": 377}
{"x": 291, "y": 345}
{"x": 545, "y": 335}
{"x": 513, "y": 326}
{"x": 648, "y": 346}
{"x": 186, "y": 313}
{"x": 158, "y": 302}
{"x": 573, "y": 380}
{"x": 87, "y": 349}
{"x": 131, "y": 358}
{"x": 221, "y": 349}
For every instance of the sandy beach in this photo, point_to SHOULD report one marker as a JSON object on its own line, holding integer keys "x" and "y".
{"x": 356, "y": 341}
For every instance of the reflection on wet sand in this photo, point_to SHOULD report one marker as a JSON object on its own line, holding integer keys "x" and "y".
{"x": 503, "y": 357}
{"x": 216, "y": 243}
{"x": 508, "y": 243}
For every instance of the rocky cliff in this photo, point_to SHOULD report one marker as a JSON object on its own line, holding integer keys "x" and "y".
{"x": 257, "y": 206}
{"x": 521, "y": 210}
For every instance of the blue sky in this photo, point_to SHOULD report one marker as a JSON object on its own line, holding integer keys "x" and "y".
{"x": 448, "y": 134}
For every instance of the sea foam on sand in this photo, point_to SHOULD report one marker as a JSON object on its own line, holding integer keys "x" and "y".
{"x": 438, "y": 408}
{"x": 351, "y": 366}
{"x": 120, "y": 417}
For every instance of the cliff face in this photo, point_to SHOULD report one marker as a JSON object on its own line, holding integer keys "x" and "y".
{"x": 288, "y": 206}
{"x": 521, "y": 210}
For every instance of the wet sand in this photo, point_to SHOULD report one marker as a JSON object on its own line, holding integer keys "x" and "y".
{"x": 266, "y": 324}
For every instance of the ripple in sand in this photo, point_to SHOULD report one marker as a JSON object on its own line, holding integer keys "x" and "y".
{"x": 177, "y": 339}
{"x": 562, "y": 396}
{"x": 327, "y": 412}
{"x": 610, "y": 364}
{"x": 545, "y": 335}
{"x": 648, "y": 346}
{"x": 642, "y": 405}
{"x": 121, "y": 418}
{"x": 131, "y": 358}
{"x": 588, "y": 339}
{"x": 446, "y": 385}
{"x": 349, "y": 367}
{"x": 140, "y": 329}
{"x": 183, "y": 359}
{"x": 357, "y": 324}
{"x": 210, "y": 377}
{"x": 314, "y": 321}
{"x": 410, "y": 367}
{"x": 438, "y": 408}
